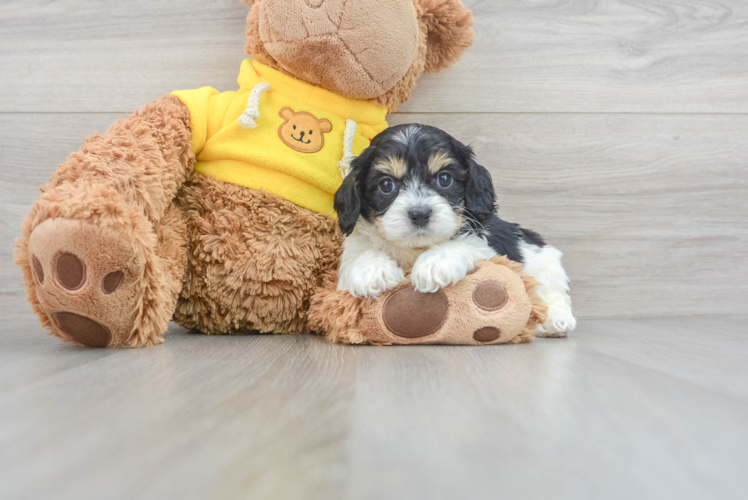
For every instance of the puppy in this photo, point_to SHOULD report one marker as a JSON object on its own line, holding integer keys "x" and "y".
{"x": 417, "y": 197}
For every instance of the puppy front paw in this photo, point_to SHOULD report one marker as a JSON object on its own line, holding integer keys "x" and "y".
{"x": 435, "y": 270}
{"x": 371, "y": 279}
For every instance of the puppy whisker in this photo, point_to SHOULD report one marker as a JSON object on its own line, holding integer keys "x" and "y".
{"x": 473, "y": 226}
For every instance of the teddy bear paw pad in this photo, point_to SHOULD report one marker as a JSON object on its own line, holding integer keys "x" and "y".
{"x": 70, "y": 271}
{"x": 487, "y": 334}
{"x": 82, "y": 330}
{"x": 410, "y": 314}
{"x": 86, "y": 279}
{"x": 490, "y": 296}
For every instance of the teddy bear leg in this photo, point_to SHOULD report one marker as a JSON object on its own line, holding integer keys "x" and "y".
{"x": 103, "y": 250}
{"x": 108, "y": 282}
{"x": 492, "y": 305}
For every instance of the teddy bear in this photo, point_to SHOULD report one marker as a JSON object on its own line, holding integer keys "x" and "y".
{"x": 215, "y": 209}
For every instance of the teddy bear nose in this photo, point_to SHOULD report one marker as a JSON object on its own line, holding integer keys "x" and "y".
{"x": 302, "y": 134}
{"x": 419, "y": 216}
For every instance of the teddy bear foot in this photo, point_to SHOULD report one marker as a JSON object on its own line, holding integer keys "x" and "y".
{"x": 494, "y": 304}
{"x": 86, "y": 280}
{"x": 489, "y": 306}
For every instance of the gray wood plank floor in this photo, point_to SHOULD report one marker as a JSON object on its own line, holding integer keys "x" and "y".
{"x": 624, "y": 409}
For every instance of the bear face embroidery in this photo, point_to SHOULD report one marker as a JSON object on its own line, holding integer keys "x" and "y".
{"x": 302, "y": 131}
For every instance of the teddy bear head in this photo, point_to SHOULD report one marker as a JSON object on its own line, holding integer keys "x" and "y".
{"x": 364, "y": 49}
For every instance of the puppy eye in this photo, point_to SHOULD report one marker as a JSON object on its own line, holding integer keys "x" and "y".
{"x": 387, "y": 185}
{"x": 444, "y": 179}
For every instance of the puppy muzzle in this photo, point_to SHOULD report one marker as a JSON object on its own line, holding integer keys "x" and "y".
{"x": 420, "y": 216}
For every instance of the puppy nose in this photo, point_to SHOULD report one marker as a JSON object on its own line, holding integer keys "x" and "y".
{"x": 419, "y": 216}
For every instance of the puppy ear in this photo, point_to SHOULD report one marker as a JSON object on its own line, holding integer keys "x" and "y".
{"x": 348, "y": 204}
{"x": 450, "y": 32}
{"x": 480, "y": 196}
{"x": 349, "y": 198}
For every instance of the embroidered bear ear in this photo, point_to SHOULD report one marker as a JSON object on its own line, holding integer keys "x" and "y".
{"x": 325, "y": 125}
{"x": 449, "y": 25}
{"x": 287, "y": 113}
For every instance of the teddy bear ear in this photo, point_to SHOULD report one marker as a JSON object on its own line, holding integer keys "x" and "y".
{"x": 449, "y": 25}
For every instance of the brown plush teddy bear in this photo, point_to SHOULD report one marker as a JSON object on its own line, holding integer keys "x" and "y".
{"x": 215, "y": 209}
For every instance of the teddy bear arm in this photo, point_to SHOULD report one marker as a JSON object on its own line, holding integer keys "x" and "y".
{"x": 145, "y": 157}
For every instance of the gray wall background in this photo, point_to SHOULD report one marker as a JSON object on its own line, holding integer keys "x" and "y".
{"x": 616, "y": 128}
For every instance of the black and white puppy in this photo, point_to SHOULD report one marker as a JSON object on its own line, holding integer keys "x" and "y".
{"x": 417, "y": 197}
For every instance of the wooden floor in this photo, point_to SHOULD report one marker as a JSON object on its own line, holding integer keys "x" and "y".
{"x": 616, "y": 128}
{"x": 624, "y": 409}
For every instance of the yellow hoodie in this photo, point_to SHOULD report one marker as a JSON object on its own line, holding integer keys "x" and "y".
{"x": 280, "y": 135}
